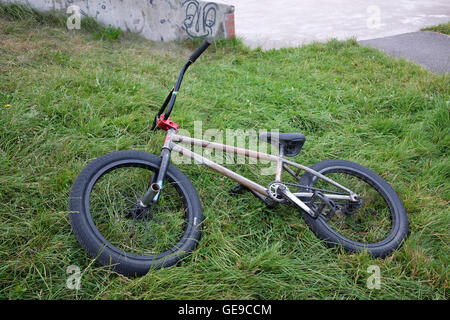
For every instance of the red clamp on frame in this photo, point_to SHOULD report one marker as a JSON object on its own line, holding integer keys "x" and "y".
{"x": 167, "y": 124}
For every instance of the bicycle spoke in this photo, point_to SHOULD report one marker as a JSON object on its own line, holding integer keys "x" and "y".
{"x": 116, "y": 213}
{"x": 368, "y": 222}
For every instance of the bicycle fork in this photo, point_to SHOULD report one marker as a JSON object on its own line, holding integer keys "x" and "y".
{"x": 154, "y": 190}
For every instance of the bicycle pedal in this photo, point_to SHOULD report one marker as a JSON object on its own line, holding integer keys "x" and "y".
{"x": 239, "y": 189}
{"x": 324, "y": 203}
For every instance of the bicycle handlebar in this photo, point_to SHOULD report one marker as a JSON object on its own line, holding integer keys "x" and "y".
{"x": 200, "y": 50}
{"x": 170, "y": 100}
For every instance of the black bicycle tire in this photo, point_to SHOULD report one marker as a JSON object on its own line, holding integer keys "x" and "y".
{"x": 332, "y": 238}
{"x": 101, "y": 249}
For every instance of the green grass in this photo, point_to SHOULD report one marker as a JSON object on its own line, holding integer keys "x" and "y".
{"x": 108, "y": 33}
{"x": 73, "y": 98}
{"x": 442, "y": 28}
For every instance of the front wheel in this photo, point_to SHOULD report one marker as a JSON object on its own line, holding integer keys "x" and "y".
{"x": 377, "y": 223}
{"x": 113, "y": 227}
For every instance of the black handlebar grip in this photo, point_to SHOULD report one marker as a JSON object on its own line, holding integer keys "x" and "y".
{"x": 200, "y": 50}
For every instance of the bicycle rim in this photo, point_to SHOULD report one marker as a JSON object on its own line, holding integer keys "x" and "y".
{"x": 369, "y": 221}
{"x": 114, "y": 210}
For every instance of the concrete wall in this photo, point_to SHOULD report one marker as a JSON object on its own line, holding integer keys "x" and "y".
{"x": 158, "y": 20}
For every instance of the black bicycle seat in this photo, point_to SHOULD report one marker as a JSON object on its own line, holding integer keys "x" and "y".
{"x": 290, "y": 143}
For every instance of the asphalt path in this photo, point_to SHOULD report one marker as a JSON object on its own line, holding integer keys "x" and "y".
{"x": 392, "y": 24}
{"x": 429, "y": 49}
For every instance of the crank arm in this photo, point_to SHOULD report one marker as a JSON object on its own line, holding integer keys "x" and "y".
{"x": 329, "y": 196}
{"x": 288, "y": 195}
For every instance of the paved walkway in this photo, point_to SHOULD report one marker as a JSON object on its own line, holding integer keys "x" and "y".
{"x": 430, "y": 49}
{"x": 286, "y": 23}
{"x": 391, "y": 23}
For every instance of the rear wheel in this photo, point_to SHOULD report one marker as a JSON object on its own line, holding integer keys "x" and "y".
{"x": 114, "y": 228}
{"x": 377, "y": 223}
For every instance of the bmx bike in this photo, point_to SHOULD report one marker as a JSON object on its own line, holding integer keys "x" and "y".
{"x": 135, "y": 211}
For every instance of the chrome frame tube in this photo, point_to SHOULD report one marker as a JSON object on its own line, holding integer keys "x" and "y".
{"x": 222, "y": 170}
{"x": 224, "y": 148}
{"x": 279, "y": 171}
{"x": 280, "y": 160}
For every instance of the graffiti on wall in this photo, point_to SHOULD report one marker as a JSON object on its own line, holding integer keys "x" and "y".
{"x": 178, "y": 19}
{"x": 200, "y": 18}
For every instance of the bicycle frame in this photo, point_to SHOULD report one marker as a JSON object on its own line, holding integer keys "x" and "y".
{"x": 162, "y": 121}
{"x": 168, "y": 205}
{"x": 170, "y": 144}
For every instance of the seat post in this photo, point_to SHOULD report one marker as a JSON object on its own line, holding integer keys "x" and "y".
{"x": 279, "y": 165}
